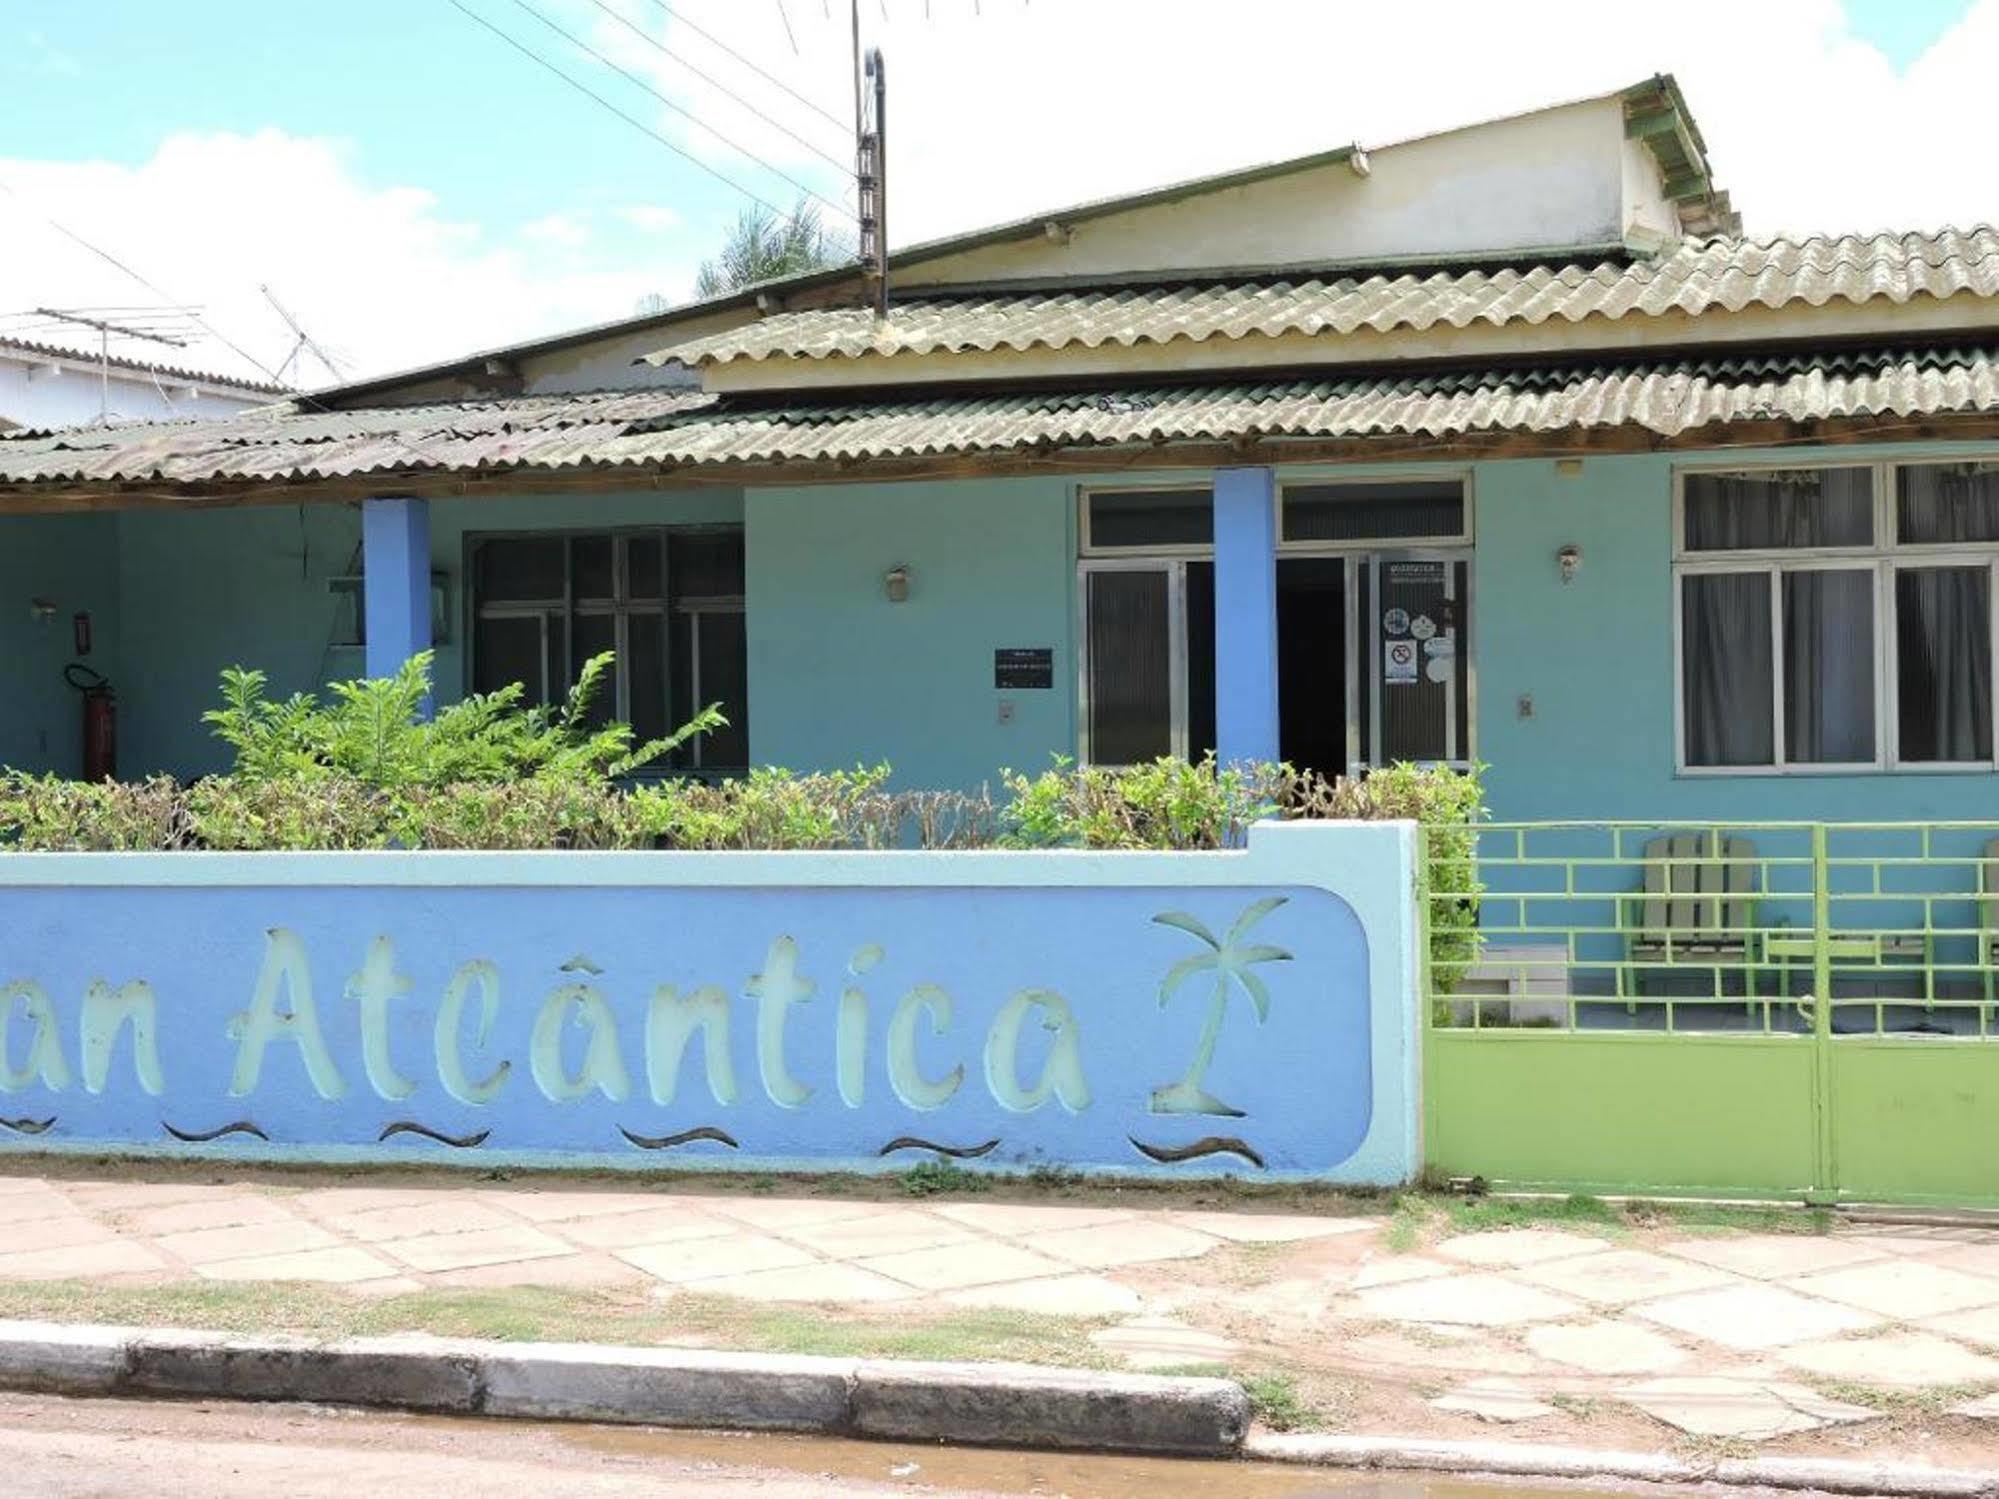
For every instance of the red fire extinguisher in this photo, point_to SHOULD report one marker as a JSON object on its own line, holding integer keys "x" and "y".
{"x": 100, "y": 721}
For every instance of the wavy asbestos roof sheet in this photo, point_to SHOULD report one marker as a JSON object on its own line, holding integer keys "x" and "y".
{"x": 1699, "y": 277}
{"x": 667, "y": 431}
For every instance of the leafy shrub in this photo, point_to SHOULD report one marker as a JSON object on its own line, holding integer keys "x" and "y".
{"x": 46, "y": 814}
{"x": 1166, "y": 803}
{"x": 375, "y": 731}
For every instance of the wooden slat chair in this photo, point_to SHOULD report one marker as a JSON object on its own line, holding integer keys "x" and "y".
{"x": 1698, "y": 904}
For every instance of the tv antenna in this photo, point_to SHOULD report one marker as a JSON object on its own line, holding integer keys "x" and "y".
{"x": 871, "y": 161}
{"x": 106, "y": 329}
{"x": 302, "y": 344}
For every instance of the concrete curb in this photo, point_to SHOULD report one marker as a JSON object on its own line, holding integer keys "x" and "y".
{"x": 969, "y": 1403}
{"x": 1521, "y": 1460}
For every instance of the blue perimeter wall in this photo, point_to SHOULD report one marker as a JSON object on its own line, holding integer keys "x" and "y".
{"x": 839, "y": 675}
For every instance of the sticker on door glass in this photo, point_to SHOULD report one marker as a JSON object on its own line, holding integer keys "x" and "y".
{"x": 1438, "y": 668}
{"x": 1395, "y": 622}
{"x": 1422, "y": 627}
{"x": 1440, "y": 645}
{"x": 1398, "y": 661}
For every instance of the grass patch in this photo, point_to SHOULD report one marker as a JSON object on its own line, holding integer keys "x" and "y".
{"x": 1467, "y": 1215}
{"x": 939, "y": 1178}
{"x": 537, "y": 1314}
{"x": 1406, "y": 1226}
{"x": 1932, "y": 1400}
{"x": 1274, "y": 1400}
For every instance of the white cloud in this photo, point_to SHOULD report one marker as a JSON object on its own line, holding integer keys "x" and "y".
{"x": 653, "y": 218}
{"x": 563, "y": 229}
{"x": 1017, "y": 108}
{"x": 376, "y": 271}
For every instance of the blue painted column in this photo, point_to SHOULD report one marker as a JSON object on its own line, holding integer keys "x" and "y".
{"x": 1245, "y": 614}
{"x": 395, "y": 567}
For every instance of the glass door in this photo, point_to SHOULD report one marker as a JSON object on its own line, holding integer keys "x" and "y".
{"x": 1413, "y": 684}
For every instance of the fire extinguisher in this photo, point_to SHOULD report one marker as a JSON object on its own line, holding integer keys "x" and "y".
{"x": 100, "y": 721}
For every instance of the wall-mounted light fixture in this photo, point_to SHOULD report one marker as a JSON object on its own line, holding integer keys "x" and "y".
{"x": 1570, "y": 560}
{"x": 42, "y": 611}
{"x": 895, "y": 583}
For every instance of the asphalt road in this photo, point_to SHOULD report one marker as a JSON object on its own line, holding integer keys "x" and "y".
{"x": 81, "y": 1449}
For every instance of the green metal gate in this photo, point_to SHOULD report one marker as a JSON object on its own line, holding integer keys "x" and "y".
{"x": 1783, "y": 1010}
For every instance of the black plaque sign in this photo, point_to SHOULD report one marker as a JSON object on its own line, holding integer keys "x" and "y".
{"x": 1018, "y": 668}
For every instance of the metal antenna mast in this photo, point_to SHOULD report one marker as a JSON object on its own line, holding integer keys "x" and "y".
{"x": 304, "y": 342}
{"x": 105, "y": 329}
{"x": 871, "y": 160}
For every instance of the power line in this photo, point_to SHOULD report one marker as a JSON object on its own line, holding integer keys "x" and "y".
{"x": 770, "y": 78}
{"x": 634, "y": 78}
{"x": 651, "y": 41}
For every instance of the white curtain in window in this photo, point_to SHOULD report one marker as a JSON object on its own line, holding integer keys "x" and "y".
{"x": 1946, "y": 502}
{"x": 1944, "y": 663}
{"x": 1726, "y": 669}
{"x": 1828, "y": 666}
{"x": 1793, "y": 508}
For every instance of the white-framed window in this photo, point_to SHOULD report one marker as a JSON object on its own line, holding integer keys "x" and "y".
{"x": 1355, "y": 553}
{"x": 1835, "y": 617}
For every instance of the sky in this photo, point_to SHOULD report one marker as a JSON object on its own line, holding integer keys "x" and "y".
{"x": 411, "y": 186}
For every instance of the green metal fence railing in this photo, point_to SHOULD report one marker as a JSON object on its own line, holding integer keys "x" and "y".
{"x": 1783, "y": 1009}
{"x": 1888, "y": 928}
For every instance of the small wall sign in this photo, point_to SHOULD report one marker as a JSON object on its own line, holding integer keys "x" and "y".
{"x": 1023, "y": 668}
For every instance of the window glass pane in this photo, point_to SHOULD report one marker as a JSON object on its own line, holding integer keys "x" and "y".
{"x": 645, "y": 674}
{"x": 1780, "y": 508}
{"x": 513, "y": 568}
{"x": 590, "y": 566}
{"x": 1415, "y": 703}
{"x": 1943, "y": 654}
{"x": 1945, "y": 502}
{"x": 724, "y": 657}
{"x": 1152, "y": 518}
{"x": 505, "y": 651}
{"x": 1726, "y": 678}
{"x": 1373, "y": 511}
{"x": 644, "y": 574}
{"x": 595, "y": 634}
{"x": 1828, "y": 667}
{"x": 706, "y": 565}
{"x": 1131, "y": 699}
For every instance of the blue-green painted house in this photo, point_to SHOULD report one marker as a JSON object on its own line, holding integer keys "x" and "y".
{"x": 1501, "y": 444}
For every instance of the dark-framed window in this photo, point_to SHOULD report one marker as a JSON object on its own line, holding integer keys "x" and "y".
{"x": 668, "y": 601}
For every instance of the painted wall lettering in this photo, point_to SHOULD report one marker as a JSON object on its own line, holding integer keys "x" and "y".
{"x": 1183, "y": 1027}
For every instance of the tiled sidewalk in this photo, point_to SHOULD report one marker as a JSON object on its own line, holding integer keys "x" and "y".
{"x": 1718, "y": 1334}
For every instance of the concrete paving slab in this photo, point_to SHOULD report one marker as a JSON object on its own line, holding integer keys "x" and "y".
{"x": 891, "y": 1230}
{"x": 1393, "y": 1269}
{"x": 1271, "y": 1228}
{"x": 1495, "y": 1399}
{"x": 342, "y": 1266}
{"x": 1108, "y": 1246}
{"x": 1903, "y": 1289}
{"x": 224, "y": 1210}
{"x": 204, "y": 1246}
{"x": 1984, "y": 1408}
{"x": 562, "y": 1207}
{"x": 960, "y": 1265}
{"x": 653, "y": 1225}
{"x": 1979, "y": 1327}
{"x": 778, "y": 1214}
{"x": 1475, "y": 1300}
{"x": 590, "y": 1270}
{"x": 1607, "y": 1347}
{"x": 1895, "y": 1360}
{"x": 64, "y": 1231}
{"x": 1163, "y": 1343}
{"x": 1754, "y": 1316}
{"x": 446, "y": 1213}
{"x": 1514, "y": 1247}
{"x": 707, "y": 1259}
{"x": 1770, "y": 1256}
{"x": 489, "y": 1246}
{"x": 1009, "y": 1219}
{"x": 1974, "y": 1259}
{"x": 835, "y": 1283}
{"x": 1747, "y": 1409}
{"x": 1618, "y": 1277}
{"x": 84, "y": 1261}
{"x": 1053, "y": 1296}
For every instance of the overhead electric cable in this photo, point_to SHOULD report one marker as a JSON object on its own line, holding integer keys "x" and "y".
{"x": 715, "y": 83}
{"x": 631, "y": 77}
{"x": 632, "y": 120}
{"x": 769, "y": 78}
